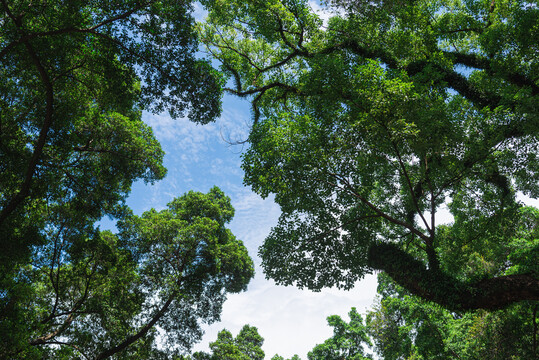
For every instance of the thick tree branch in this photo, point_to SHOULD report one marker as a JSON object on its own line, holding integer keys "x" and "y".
{"x": 43, "y": 134}
{"x": 479, "y": 62}
{"x": 25, "y": 38}
{"x": 436, "y": 286}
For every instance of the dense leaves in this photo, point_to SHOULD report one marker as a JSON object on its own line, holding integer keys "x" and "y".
{"x": 75, "y": 77}
{"x": 142, "y": 293}
{"x": 367, "y": 126}
{"x": 405, "y": 327}
{"x": 247, "y": 345}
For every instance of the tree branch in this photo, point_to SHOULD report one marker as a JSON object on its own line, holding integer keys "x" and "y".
{"x": 68, "y": 30}
{"x": 72, "y": 314}
{"x": 479, "y": 62}
{"x": 142, "y": 331}
{"x": 439, "y": 287}
{"x": 404, "y": 172}
{"x": 380, "y": 212}
{"x": 155, "y": 318}
{"x": 55, "y": 258}
{"x": 47, "y": 123}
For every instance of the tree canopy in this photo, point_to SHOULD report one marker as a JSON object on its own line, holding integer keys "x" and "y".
{"x": 142, "y": 293}
{"x": 247, "y": 345}
{"x": 367, "y": 126}
{"x": 75, "y": 77}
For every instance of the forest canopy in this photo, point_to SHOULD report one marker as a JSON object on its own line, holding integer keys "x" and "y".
{"x": 75, "y": 78}
{"x": 366, "y": 126}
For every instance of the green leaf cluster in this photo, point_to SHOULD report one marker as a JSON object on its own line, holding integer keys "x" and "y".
{"x": 368, "y": 126}
{"x": 75, "y": 78}
{"x": 247, "y": 345}
{"x": 347, "y": 342}
{"x": 141, "y": 293}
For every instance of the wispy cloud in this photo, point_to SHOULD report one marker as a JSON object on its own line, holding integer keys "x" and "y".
{"x": 199, "y": 13}
{"x": 323, "y": 12}
{"x": 186, "y": 138}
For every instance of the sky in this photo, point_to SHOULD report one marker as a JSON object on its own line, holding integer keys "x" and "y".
{"x": 290, "y": 320}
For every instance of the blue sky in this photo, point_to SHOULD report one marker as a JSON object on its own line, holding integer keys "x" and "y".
{"x": 198, "y": 157}
{"x": 292, "y": 321}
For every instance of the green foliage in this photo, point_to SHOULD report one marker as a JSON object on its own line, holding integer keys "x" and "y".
{"x": 103, "y": 295}
{"x": 347, "y": 341}
{"x": 247, "y": 345}
{"x": 366, "y": 127}
{"x": 250, "y": 342}
{"x": 75, "y": 77}
{"x": 405, "y": 327}
{"x": 277, "y": 357}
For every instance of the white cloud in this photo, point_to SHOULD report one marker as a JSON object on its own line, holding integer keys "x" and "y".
{"x": 322, "y": 11}
{"x": 527, "y": 200}
{"x": 181, "y": 135}
{"x": 292, "y": 321}
{"x": 199, "y": 13}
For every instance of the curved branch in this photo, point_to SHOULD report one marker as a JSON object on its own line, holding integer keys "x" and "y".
{"x": 349, "y": 187}
{"x": 131, "y": 339}
{"x": 439, "y": 287}
{"x": 43, "y": 134}
{"x": 68, "y": 30}
{"x": 408, "y": 182}
{"x": 155, "y": 318}
{"x": 72, "y": 314}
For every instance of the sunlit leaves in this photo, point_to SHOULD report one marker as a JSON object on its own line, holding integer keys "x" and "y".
{"x": 366, "y": 126}
{"x": 169, "y": 271}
